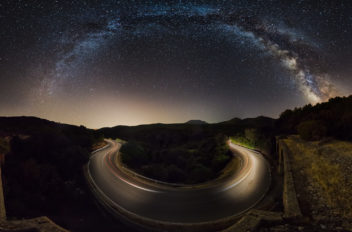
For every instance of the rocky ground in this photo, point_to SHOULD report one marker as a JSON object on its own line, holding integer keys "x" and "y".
{"x": 322, "y": 174}
{"x": 303, "y": 227}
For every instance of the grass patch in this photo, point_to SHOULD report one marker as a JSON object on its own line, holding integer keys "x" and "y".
{"x": 120, "y": 141}
{"x": 242, "y": 142}
{"x": 325, "y": 164}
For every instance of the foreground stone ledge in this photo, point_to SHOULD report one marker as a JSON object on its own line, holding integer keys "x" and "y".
{"x": 251, "y": 221}
{"x": 40, "y": 224}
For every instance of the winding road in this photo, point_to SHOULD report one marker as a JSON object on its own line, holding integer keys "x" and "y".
{"x": 236, "y": 194}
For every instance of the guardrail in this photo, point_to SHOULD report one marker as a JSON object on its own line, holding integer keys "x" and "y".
{"x": 102, "y": 148}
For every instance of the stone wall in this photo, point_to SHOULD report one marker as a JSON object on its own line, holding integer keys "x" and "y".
{"x": 39, "y": 224}
{"x": 290, "y": 202}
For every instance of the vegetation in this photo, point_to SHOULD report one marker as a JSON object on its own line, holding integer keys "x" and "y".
{"x": 4, "y": 146}
{"x": 332, "y": 118}
{"x": 311, "y": 130}
{"x": 42, "y": 174}
{"x": 133, "y": 154}
{"x": 178, "y": 163}
{"x": 252, "y": 138}
{"x": 242, "y": 141}
{"x": 323, "y": 165}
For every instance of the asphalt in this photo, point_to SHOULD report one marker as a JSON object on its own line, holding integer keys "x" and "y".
{"x": 238, "y": 193}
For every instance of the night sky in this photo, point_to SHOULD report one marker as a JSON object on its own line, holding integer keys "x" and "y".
{"x": 106, "y": 63}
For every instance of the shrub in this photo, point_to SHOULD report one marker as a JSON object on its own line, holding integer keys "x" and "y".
{"x": 200, "y": 174}
{"x": 251, "y": 134}
{"x": 133, "y": 154}
{"x": 4, "y": 146}
{"x": 220, "y": 160}
{"x": 181, "y": 162}
{"x": 175, "y": 174}
{"x": 311, "y": 130}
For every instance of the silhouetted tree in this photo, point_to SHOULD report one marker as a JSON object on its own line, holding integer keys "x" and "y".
{"x": 311, "y": 130}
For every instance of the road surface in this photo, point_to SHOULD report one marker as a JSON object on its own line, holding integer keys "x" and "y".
{"x": 231, "y": 197}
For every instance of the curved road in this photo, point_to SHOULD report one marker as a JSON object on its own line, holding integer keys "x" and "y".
{"x": 234, "y": 196}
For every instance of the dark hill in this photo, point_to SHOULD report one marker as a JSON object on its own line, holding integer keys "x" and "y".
{"x": 42, "y": 171}
{"x": 260, "y": 121}
{"x": 196, "y": 122}
{"x": 335, "y": 116}
{"x": 32, "y": 125}
{"x": 171, "y": 134}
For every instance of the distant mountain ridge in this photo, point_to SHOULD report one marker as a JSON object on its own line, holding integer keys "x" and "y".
{"x": 196, "y": 122}
{"x": 336, "y": 110}
{"x": 257, "y": 121}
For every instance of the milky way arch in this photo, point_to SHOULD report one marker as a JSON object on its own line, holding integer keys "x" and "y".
{"x": 296, "y": 54}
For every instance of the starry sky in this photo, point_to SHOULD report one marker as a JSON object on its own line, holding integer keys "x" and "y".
{"x": 107, "y": 63}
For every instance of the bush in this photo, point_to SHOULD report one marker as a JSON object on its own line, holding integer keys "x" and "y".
{"x": 181, "y": 162}
{"x": 200, "y": 174}
{"x": 175, "y": 174}
{"x": 335, "y": 115}
{"x": 251, "y": 134}
{"x": 155, "y": 171}
{"x": 38, "y": 168}
{"x": 4, "y": 146}
{"x": 311, "y": 130}
{"x": 220, "y": 160}
{"x": 133, "y": 154}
